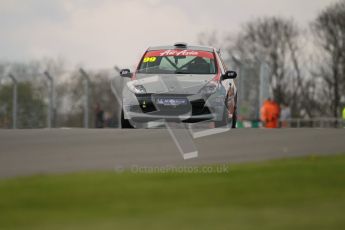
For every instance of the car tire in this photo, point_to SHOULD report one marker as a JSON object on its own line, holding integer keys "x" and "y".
{"x": 234, "y": 116}
{"x": 225, "y": 118}
{"x": 234, "y": 119}
{"x": 125, "y": 124}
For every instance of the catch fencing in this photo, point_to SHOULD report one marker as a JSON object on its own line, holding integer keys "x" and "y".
{"x": 54, "y": 103}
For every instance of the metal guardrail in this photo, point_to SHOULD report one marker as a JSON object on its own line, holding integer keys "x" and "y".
{"x": 321, "y": 122}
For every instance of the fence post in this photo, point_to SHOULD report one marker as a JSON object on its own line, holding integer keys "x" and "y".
{"x": 86, "y": 97}
{"x": 240, "y": 80}
{"x": 51, "y": 99}
{"x": 14, "y": 101}
{"x": 264, "y": 91}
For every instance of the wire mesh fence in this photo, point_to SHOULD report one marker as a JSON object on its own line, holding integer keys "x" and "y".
{"x": 71, "y": 99}
{"x": 253, "y": 88}
{"x": 82, "y": 98}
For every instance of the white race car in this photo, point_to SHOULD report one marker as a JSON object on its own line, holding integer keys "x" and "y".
{"x": 181, "y": 83}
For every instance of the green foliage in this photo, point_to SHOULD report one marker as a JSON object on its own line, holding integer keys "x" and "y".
{"x": 31, "y": 109}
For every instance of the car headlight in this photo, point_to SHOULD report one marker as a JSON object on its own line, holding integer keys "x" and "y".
{"x": 210, "y": 88}
{"x": 136, "y": 88}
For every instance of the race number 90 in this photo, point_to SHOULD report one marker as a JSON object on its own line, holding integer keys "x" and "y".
{"x": 150, "y": 59}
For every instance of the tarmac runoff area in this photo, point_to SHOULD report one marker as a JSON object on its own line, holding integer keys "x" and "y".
{"x": 44, "y": 151}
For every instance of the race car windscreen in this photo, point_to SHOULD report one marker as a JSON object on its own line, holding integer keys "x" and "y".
{"x": 178, "y": 62}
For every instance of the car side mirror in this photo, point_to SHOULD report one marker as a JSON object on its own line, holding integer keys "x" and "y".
{"x": 229, "y": 75}
{"x": 125, "y": 73}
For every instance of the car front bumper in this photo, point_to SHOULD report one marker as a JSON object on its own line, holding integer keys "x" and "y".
{"x": 142, "y": 108}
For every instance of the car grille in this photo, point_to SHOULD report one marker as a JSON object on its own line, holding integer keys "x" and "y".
{"x": 146, "y": 105}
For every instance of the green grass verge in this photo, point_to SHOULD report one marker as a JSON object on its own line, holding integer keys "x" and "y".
{"x": 303, "y": 193}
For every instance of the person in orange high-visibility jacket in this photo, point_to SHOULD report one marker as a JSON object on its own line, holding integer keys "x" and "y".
{"x": 269, "y": 114}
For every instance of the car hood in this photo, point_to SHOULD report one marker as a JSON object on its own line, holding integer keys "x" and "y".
{"x": 172, "y": 83}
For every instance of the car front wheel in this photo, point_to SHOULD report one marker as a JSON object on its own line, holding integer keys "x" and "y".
{"x": 225, "y": 118}
{"x": 125, "y": 124}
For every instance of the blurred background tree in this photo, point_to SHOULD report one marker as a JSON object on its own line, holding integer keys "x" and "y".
{"x": 307, "y": 76}
{"x": 329, "y": 33}
{"x": 31, "y": 107}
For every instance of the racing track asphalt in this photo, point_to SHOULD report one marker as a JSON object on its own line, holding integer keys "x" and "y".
{"x": 28, "y": 152}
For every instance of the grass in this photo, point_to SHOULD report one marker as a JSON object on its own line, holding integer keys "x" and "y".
{"x": 303, "y": 193}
